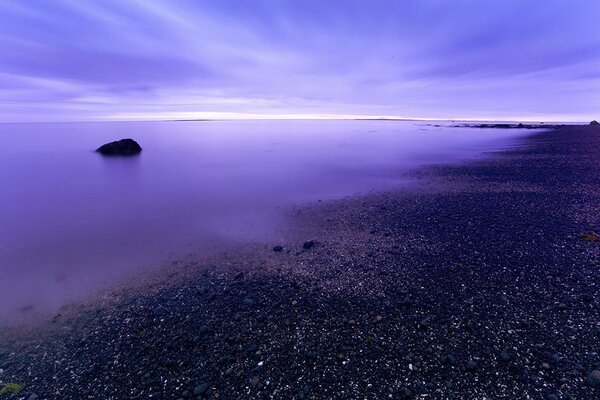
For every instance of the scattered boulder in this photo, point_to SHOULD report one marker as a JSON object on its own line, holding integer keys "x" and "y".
{"x": 123, "y": 147}
{"x": 594, "y": 122}
{"x": 278, "y": 248}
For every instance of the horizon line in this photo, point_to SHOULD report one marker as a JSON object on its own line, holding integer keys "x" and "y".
{"x": 195, "y": 117}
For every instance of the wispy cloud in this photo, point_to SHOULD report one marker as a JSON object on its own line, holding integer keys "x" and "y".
{"x": 73, "y": 60}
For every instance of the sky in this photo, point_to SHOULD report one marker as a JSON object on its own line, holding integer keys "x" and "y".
{"x": 73, "y": 60}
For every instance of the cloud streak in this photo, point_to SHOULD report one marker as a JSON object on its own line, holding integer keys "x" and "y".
{"x": 72, "y": 60}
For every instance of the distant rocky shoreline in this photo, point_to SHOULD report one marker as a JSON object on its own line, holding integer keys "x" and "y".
{"x": 477, "y": 284}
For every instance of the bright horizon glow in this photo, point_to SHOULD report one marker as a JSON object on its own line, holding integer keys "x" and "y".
{"x": 230, "y": 116}
{"x": 249, "y": 116}
{"x": 515, "y": 60}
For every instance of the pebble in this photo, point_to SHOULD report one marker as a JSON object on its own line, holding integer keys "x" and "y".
{"x": 201, "y": 389}
{"x": 450, "y": 359}
{"x": 160, "y": 311}
{"x": 471, "y": 365}
{"x": 593, "y": 379}
{"x": 309, "y": 244}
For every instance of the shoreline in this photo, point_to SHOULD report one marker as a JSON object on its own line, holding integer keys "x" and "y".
{"x": 476, "y": 285}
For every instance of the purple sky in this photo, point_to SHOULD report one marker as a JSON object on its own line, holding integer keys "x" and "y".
{"x": 143, "y": 59}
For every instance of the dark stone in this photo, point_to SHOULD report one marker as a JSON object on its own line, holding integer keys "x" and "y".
{"x": 471, "y": 366}
{"x": 450, "y": 359}
{"x": 304, "y": 392}
{"x": 309, "y": 244}
{"x": 123, "y": 147}
{"x": 586, "y": 298}
{"x": 593, "y": 379}
{"x": 278, "y": 248}
{"x": 520, "y": 126}
{"x": 594, "y": 122}
{"x": 160, "y": 311}
{"x": 201, "y": 389}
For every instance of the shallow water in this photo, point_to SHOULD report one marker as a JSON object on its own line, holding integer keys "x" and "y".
{"x": 72, "y": 221}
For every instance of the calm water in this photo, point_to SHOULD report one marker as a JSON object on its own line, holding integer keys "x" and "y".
{"x": 72, "y": 221}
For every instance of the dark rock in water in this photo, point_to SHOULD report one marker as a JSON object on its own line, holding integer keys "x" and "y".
{"x": 496, "y": 126}
{"x": 593, "y": 379}
{"x": 594, "y": 122}
{"x": 520, "y": 126}
{"x": 309, "y": 244}
{"x": 123, "y": 147}
{"x": 278, "y": 248}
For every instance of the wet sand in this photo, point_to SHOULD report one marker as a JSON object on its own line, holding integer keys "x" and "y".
{"x": 476, "y": 284}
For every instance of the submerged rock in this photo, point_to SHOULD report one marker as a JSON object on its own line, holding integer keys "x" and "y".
{"x": 123, "y": 147}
